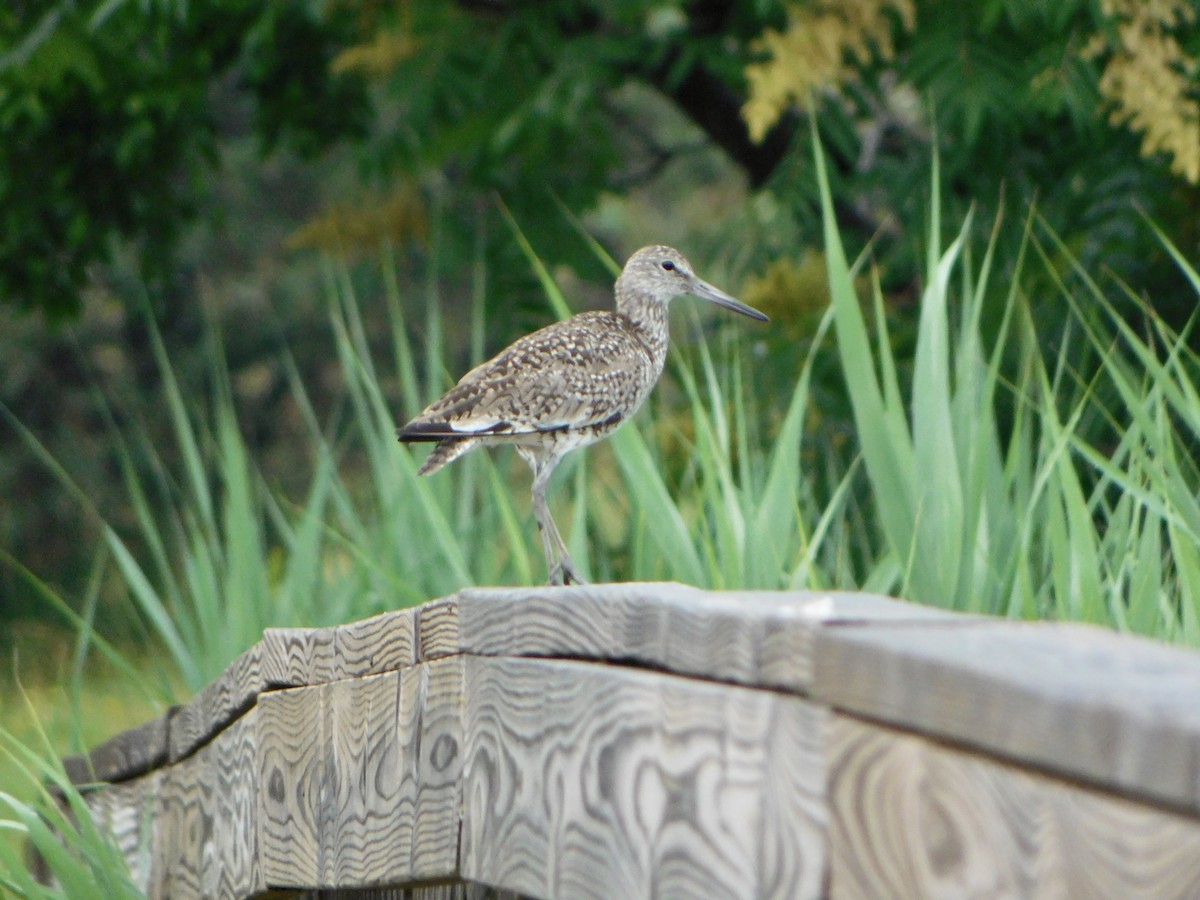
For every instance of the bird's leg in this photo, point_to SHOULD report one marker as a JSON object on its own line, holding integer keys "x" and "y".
{"x": 558, "y": 561}
{"x": 550, "y": 538}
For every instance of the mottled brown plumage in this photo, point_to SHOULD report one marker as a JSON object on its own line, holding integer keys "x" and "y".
{"x": 567, "y": 385}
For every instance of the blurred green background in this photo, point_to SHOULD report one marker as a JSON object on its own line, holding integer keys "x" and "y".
{"x": 238, "y": 241}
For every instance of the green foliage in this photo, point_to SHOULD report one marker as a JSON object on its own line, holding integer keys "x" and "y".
{"x": 531, "y": 103}
{"x": 983, "y": 479}
{"x": 1035, "y": 516}
{"x": 83, "y": 858}
{"x": 110, "y": 126}
{"x": 507, "y": 104}
{"x": 41, "y": 812}
{"x": 1020, "y": 93}
{"x": 110, "y": 117}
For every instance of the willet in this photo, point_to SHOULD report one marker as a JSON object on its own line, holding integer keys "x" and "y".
{"x": 567, "y": 385}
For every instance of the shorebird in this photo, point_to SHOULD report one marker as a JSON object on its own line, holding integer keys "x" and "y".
{"x": 567, "y": 385}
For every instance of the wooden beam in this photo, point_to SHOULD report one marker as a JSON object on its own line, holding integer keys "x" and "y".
{"x": 1118, "y": 711}
{"x": 431, "y": 707}
{"x": 584, "y": 780}
{"x": 363, "y": 834}
{"x": 754, "y": 638}
{"x": 291, "y": 771}
{"x": 290, "y": 657}
{"x": 126, "y": 755}
{"x": 656, "y": 740}
{"x": 362, "y": 779}
{"x": 458, "y": 891}
{"x": 914, "y": 818}
{"x": 127, "y": 811}
{"x": 203, "y": 817}
{"x": 758, "y": 638}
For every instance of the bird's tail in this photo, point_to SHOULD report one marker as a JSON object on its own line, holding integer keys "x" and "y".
{"x": 447, "y": 451}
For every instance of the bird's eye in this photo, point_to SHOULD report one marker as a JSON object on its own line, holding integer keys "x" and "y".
{"x": 668, "y": 265}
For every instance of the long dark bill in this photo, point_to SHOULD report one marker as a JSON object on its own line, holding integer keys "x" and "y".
{"x": 706, "y": 291}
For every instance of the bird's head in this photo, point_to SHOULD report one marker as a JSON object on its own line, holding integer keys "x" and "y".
{"x": 661, "y": 273}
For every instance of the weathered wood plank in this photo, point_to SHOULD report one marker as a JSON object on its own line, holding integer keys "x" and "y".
{"x": 285, "y": 657}
{"x": 392, "y": 778}
{"x": 231, "y": 863}
{"x": 291, "y": 769}
{"x": 467, "y": 740}
{"x": 430, "y": 727}
{"x": 912, "y": 818}
{"x": 591, "y": 781}
{"x": 1114, "y": 710}
{"x": 362, "y": 779}
{"x": 222, "y": 700}
{"x": 437, "y": 630}
{"x": 382, "y": 643}
{"x": 195, "y": 822}
{"x": 363, "y": 837}
{"x": 300, "y": 656}
{"x": 183, "y": 812}
{"x": 126, "y": 811}
{"x": 293, "y": 657}
{"x": 755, "y": 637}
{"x": 458, "y": 891}
{"x": 131, "y": 753}
{"x": 794, "y": 805}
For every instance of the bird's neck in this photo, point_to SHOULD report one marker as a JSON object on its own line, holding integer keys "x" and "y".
{"x": 649, "y": 316}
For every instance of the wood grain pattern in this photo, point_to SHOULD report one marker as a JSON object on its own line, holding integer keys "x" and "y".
{"x": 1115, "y": 710}
{"x": 362, "y": 836}
{"x": 362, "y": 779}
{"x": 392, "y": 809}
{"x": 437, "y": 628}
{"x": 591, "y": 781}
{"x": 218, "y": 703}
{"x": 190, "y": 830}
{"x": 753, "y": 637}
{"x": 183, "y": 814}
{"x": 379, "y": 644}
{"x": 911, "y": 818}
{"x": 231, "y": 863}
{"x": 462, "y": 890}
{"x": 126, "y": 811}
{"x": 430, "y": 726}
{"x": 292, "y": 657}
{"x": 300, "y": 656}
{"x": 291, "y": 768}
{"x": 794, "y": 805}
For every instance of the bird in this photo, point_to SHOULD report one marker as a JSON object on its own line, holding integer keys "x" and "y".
{"x": 567, "y": 385}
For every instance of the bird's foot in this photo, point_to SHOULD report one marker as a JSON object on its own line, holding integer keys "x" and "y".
{"x": 564, "y": 572}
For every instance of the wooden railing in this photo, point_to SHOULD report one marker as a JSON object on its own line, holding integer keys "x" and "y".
{"x": 653, "y": 740}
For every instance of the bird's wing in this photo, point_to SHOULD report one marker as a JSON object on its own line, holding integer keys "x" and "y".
{"x": 588, "y": 370}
